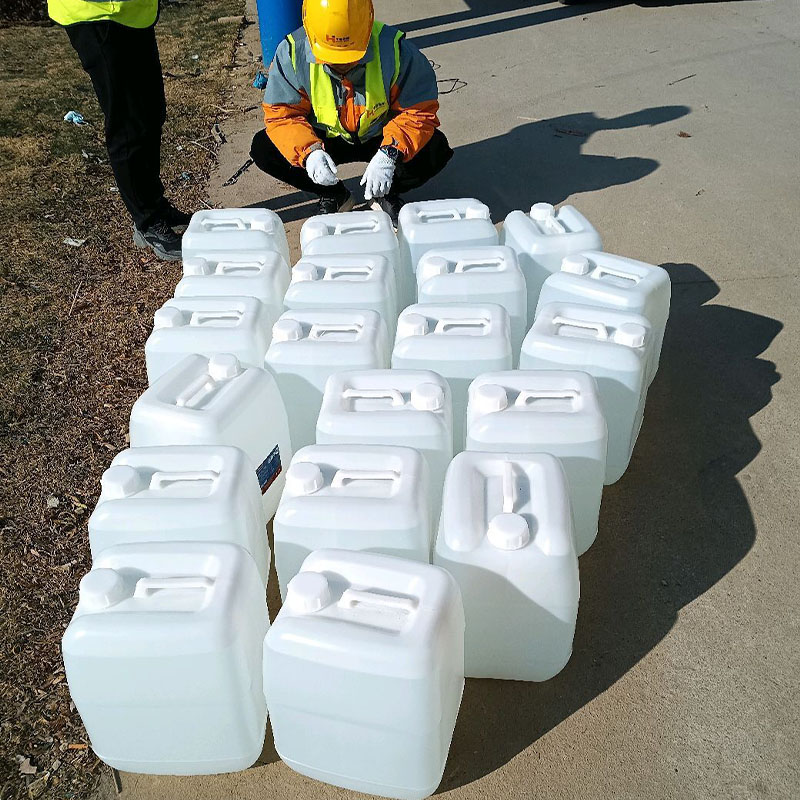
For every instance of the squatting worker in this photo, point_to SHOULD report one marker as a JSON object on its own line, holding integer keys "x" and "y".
{"x": 116, "y": 43}
{"x": 345, "y": 88}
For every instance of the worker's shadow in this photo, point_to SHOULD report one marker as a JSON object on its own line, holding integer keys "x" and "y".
{"x": 675, "y": 524}
{"x": 542, "y": 161}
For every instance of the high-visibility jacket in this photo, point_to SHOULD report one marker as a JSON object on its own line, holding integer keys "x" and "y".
{"x": 133, "y": 13}
{"x": 391, "y": 92}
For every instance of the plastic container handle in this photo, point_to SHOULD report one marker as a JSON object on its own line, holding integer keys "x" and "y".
{"x": 509, "y": 488}
{"x": 598, "y": 327}
{"x": 345, "y": 476}
{"x": 600, "y": 272}
{"x": 320, "y": 329}
{"x": 375, "y": 394}
{"x": 147, "y": 587}
{"x": 466, "y": 263}
{"x": 344, "y": 228}
{"x": 450, "y": 322}
{"x": 224, "y": 267}
{"x": 160, "y": 480}
{"x": 195, "y": 391}
{"x": 356, "y": 597}
{"x": 333, "y": 273}
{"x": 200, "y": 318}
{"x": 438, "y": 216}
{"x": 544, "y": 394}
{"x": 224, "y": 222}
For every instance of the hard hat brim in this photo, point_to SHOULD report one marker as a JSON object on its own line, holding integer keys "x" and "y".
{"x": 335, "y": 55}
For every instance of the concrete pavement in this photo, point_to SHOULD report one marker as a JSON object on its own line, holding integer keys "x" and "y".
{"x": 674, "y": 128}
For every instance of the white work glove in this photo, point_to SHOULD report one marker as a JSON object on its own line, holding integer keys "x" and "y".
{"x": 378, "y": 176}
{"x": 321, "y": 169}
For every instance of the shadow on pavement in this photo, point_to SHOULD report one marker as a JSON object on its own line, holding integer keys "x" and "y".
{"x": 675, "y": 524}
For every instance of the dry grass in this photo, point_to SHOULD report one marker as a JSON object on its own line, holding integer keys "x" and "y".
{"x": 73, "y": 322}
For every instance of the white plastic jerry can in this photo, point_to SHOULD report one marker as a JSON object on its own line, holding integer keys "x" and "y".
{"x": 264, "y": 276}
{"x": 546, "y": 411}
{"x": 216, "y": 401}
{"x": 407, "y": 408}
{"x": 359, "y": 281}
{"x": 506, "y": 537}
{"x": 208, "y": 325}
{"x": 614, "y": 347}
{"x": 173, "y": 494}
{"x": 542, "y": 238}
{"x": 602, "y": 279}
{"x": 163, "y": 657}
{"x": 356, "y": 233}
{"x": 309, "y": 346}
{"x": 487, "y": 274}
{"x": 459, "y": 341}
{"x": 353, "y": 497}
{"x": 429, "y": 224}
{"x": 217, "y": 233}
{"x": 364, "y": 672}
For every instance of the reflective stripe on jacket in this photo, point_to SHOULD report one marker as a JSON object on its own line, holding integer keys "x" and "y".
{"x": 133, "y": 13}
{"x": 391, "y": 91}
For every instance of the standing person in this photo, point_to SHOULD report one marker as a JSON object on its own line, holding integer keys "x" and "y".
{"x": 116, "y": 43}
{"x": 345, "y": 88}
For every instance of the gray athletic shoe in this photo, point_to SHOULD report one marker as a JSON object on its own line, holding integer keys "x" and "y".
{"x": 161, "y": 239}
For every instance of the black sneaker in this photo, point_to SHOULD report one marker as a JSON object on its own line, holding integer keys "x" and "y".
{"x": 343, "y": 201}
{"x": 391, "y": 204}
{"x": 174, "y": 217}
{"x": 161, "y": 239}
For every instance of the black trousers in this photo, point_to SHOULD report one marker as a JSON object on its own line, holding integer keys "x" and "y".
{"x": 126, "y": 74}
{"x": 408, "y": 175}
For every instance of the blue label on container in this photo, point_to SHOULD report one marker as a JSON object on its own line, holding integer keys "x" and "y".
{"x": 269, "y": 470}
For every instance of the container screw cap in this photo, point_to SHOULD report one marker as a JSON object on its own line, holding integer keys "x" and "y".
{"x": 427, "y": 397}
{"x": 307, "y": 592}
{"x": 630, "y": 334}
{"x": 490, "y": 397}
{"x": 287, "y": 330}
{"x": 168, "y": 317}
{"x": 313, "y": 229}
{"x": 509, "y": 532}
{"x": 303, "y": 271}
{"x": 101, "y": 588}
{"x": 576, "y": 265}
{"x": 411, "y": 325}
{"x": 121, "y": 481}
{"x": 304, "y": 478}
{"x": 476, "y": 212}
{"x": 431, "y": 267}
{"x": 223, "y": 366}
{"x": 196, "y": 265}
{"x": 542, "y": 211}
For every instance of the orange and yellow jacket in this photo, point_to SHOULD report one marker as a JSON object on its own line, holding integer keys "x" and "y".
{"x": 391, "y": 92}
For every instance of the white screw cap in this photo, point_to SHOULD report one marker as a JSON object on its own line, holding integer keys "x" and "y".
{"x": 101, "y": 588}
{"x": 303, "y": 271}
{"x": 411, "y": 325}
{"x": 121, "y": 481}
{"x": 489, "y": 397}
{"x": 542, "y": 211}
{"x": 630, "y": 334}
{"x": 576, "y": 265}
{"x": 168, "y": 317}
{"x": 196, "y": 265}
{"x": 304, "y": 478}
{"x": 223, "y": 366}
{"x": 427, "y": 397}
{"x": 287, "y": 330}
{"x": 431, "y": 267}
{"x": 307, "y": 592}
{"x": 313, "y": 229}
{"x": 508, "y": 532}
{"x": 476, "y": 212}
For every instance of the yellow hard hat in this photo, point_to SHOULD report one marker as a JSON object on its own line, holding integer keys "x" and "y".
{"x": 338, "y": 30}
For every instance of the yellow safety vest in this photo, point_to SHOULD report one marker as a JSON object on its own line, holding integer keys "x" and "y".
{"x": 376, "y": 103}
{"x": 133, "y": 13}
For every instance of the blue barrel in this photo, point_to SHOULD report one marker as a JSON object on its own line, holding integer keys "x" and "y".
{"x": 276, "y": 18}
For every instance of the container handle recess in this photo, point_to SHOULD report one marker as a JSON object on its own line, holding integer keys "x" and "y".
{"x": 438, "y": 215}
{"x": 375, "y": 394}
{"x": 230, "y": 266}
{"x": 320, "y": 329}
{"x": 509, "y": 488}
{"x": 200, "y": 318}
{"x": 332, "y": 273}
{"x": 370, "y": 226}
{"x": 453, "y": 322}
{"x": 160, "y": 480}
{"x": 598, "y": 327}
{"x": 198, "y": 389}
{"x": 147, "y": 587}
{"x": 544, "y": 394}
{"x": 345, "y": 476}
{"x": 358, "y": 597}
{"x": 600, "y": 272}
{"x": 466, "y": 263}
{"x": 225, "y": 222}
